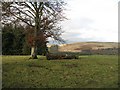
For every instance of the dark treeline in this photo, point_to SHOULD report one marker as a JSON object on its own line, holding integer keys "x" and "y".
{"x": 15, "y": 41}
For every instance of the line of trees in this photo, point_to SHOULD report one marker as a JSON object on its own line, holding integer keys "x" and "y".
{"x": 15, "y": 41}
{"x": 39, "y": 20}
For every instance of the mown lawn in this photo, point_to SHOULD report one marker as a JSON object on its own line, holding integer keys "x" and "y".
{"x": 96, "y": 71}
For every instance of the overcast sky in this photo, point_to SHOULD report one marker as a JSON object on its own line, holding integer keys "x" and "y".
{"x": 91, "y": 20}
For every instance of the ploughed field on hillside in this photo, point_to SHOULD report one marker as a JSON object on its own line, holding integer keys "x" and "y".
{"x": 88, "y": 71}
{"x": 102, "y": 48}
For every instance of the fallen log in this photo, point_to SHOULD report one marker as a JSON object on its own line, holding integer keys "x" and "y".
{"x": 51, "y": 56}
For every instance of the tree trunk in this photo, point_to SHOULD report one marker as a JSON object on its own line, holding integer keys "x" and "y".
{"x": 34, "y": 52}
{"x": 36, "y": 29}
{"x": 34, "y": 47}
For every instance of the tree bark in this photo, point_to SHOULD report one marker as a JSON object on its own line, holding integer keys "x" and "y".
{"x": 33, "y": 52}
{"x": 34, "y": 47}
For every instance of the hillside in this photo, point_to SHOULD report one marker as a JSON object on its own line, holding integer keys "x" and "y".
{"x": 77, "y": 47}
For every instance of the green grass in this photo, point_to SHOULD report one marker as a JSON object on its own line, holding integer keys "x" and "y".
{"x": 97, "y": 71}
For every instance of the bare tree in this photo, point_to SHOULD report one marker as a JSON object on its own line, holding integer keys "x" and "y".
{"x": 42, "y": 17}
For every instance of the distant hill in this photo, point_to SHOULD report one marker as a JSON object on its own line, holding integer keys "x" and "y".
{"x": 77, "y": 47}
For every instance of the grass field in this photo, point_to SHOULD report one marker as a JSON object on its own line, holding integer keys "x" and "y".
{"x": 96, "y": 71}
